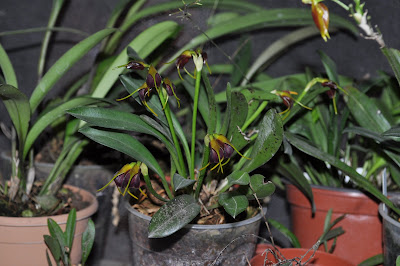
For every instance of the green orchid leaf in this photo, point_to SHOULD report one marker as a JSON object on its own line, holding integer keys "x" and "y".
{"x": 87, "y": 240}
{"x": 57, "y": 233}
{"x": 63, "y": 64}
{"x": 393, "y": 56}
{"x": 268, "y": 141}
{"x": 242, "y": 61}
{"x": 281, "y": 17}
{"x": 225, "y": 124}
{"x": 367, "y": 133}
{"x": 70, "y": 228}
{"x": 365, "y": 111}
{"x": 286, "y": 232}
{"x": 239, "y": 177}
{"x": 260, "y": 188}
{"x": 376, "y": 260}
{"x": 181, "y": 182}
{"x": 144, "y": 44}
{"x": 125, "y": 144}
{"x": 238, "y": 114}
{"x": 357, "y": 178}
{"x": 330, "y": 66}
{"x": 7, "y": 68}
{"x": 172, "y": 5}
{"x": 173, "y": 215}
{"x": 393, "y": 132}
{"x": 54, "y": 247}
{"x": 49, "y": 117}
{"x": 234, "y": 203}
{"x": 18, "y": 108}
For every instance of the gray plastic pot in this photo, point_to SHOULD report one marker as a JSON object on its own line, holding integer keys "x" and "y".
{"x": 391, "y": 234}
{"x": 193, "y": 244}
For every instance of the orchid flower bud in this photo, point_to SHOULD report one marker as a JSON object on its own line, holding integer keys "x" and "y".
{"x": 128, "y": 177}
{"x": 170, "y": 88}
{"x": 320, "y": 14}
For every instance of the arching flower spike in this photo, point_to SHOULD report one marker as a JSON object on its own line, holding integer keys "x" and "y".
{"x": 128, "y": 177}
{"x": 220, "y": 149}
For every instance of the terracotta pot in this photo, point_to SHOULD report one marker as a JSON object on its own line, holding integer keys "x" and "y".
{"x": 318, "y": 258}
{"x": 21, "y": 238}
{"x": 363, "y": 229}
{"x": 194, "y": 244}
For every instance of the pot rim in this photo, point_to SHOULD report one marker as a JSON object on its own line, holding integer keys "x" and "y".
{"x": 60, "y": 219}
{"x": 385, "y": 215}
{"x": 198, "y": 226}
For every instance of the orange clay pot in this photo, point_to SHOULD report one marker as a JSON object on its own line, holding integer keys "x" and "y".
{"x": 21, "y": 238}
{"x": 363, "y": 229}
{"x": 319, "y": 258}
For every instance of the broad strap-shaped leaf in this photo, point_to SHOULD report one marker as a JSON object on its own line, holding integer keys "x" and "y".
{"x": 239, "y": 177}
{"x": 144, "y": 44}
{"x": 238, "y": 113}
{"x": 57, "y": 233}
{"x": 365, "y": 111}
{"x": 357, "y": 178}
{"x": 54, "y": 247}
{"x": 268, "y": 141}
{"x": 87, "y": 240}
{"x": 18, "y": 108}
{"x": 70, "y": 228}
{"x": 233, "y": 202}
{"x": 64, "y": 64}
{"x": 260, "y": 188}
{"x": 46, "y": 119}
{"x": 125, "y": 144}
{"x": 393, "y": 56}
{"x": 181, "y": 182}
{"x": 173, "y": 215}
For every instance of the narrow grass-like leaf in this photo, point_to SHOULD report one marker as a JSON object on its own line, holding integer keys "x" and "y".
{"x": 143, "y": 44}
{"x": 18, "y": 108}
{"x": 357, "y": 178}
{"x": 330, "y": 66}
{"x": 87, "y": 240}
{"x": 7, "y": 68}
{"x": 286, "y": 232}
{"x": 125, "y": 144}
{"x": 55, "y": 10}
{"x": 173, "y": 215}
{"x": 212, "y": 105}
{"x": 46, "y": 119}
{"x": 234, "y": 203}
{"x": 64, "y": 64}
{"x": 393, "y": 56}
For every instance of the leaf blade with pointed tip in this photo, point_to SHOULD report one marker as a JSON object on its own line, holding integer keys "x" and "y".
{"x": 233, "y": 202}
{"x": 173, "y": 215}
{"x": 181, "y": 182}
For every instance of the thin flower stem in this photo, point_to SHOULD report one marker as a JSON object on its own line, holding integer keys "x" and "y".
{"x": 196, "y": 101}
{"x": 341, "y": 4}
{"x": 254, "y": 115}
{"x": 167, "y": 112}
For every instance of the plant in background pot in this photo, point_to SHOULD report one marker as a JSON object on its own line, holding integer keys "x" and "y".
{"x": 350, "y": 149}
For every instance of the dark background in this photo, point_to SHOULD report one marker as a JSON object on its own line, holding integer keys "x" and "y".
{"x": 354, "y": 56}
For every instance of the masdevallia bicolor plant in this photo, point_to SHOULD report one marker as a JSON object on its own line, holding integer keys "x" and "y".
{"x": 238, "y": 139}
